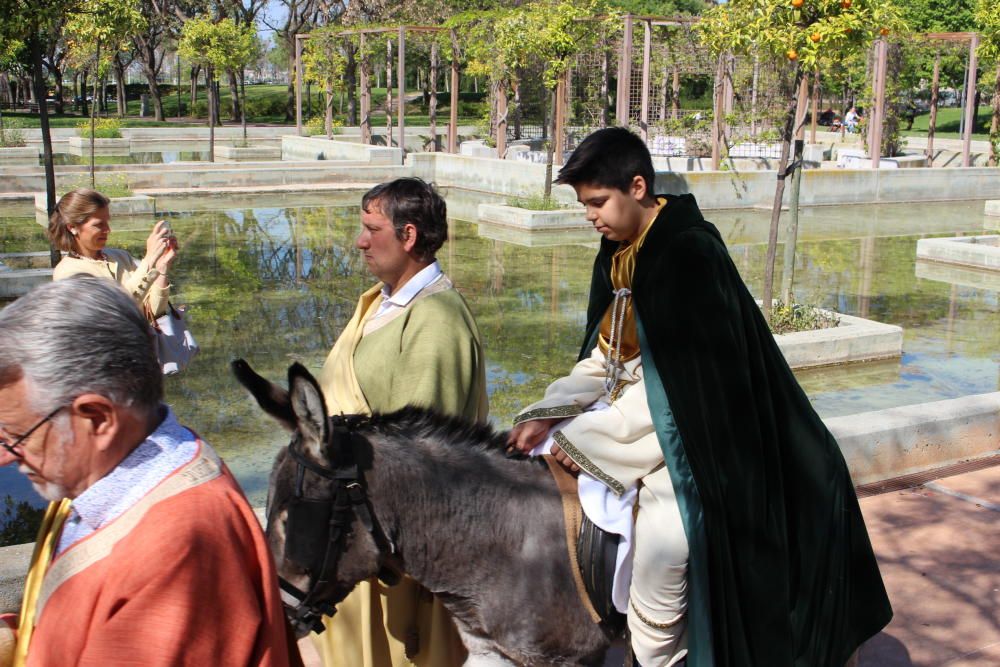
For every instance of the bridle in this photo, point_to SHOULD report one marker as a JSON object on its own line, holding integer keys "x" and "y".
{"x": 316, "y": 528}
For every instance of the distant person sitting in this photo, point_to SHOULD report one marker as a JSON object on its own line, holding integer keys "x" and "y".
{"x": 826, "y": 118}
{"x": 81, "y": 225}
{"x": 851, "y": 119}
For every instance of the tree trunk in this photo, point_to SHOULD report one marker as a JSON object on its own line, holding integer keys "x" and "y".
{"x": 932, "y": 121}
{"x": 351, "y": 82}
{"x": 234, "y": 96}
{"x": 605, "y": 87}
{"x": 995, "y": 122}
{"x": 243, "y": 105}
{"x": 210, "y": 85}
{"x": 43, "y": 116}
{"x": 195, "y": 72}
{"x": 120, "y": 92}
{"x": 58, "y": 74}
{"x": 779, "y": 191}
{"x": 147, "y": 58}
{"x": 550, "y": 145}
{"x": 290, "y": 93}
{"x": 83, "y": 94}
{"x": 93, "y": 114}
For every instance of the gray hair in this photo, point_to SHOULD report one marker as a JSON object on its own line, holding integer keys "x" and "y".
{"x": 78, "y": 336}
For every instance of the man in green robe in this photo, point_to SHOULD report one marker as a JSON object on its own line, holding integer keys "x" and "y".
{"x": 750, "y": 547}
{"x": 412, "y": 341}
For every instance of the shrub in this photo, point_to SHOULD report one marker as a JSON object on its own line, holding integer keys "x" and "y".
{"x": 316, "y": 126}
{"x": 535, "y": 203}
{"x": 11, "y": 136}
{"x": 104, "y": 128}
{"x": 265, "y": 106}
{"x": 110, "y": 185}
{"x": 19, "y": 521}
{"x": 796, "y": 317}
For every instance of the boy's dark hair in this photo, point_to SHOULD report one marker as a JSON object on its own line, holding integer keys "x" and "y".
{"x": 611, "y": 158}
{"x": 412, "y": 201}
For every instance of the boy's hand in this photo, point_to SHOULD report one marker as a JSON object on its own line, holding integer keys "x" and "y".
{"x": 564, "y": 459}
{"x": 527, "y": 435}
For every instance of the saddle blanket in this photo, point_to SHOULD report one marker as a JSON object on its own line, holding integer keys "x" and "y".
{"x": 609, "y": 512}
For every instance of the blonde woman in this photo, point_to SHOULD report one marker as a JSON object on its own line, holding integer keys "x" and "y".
{"x": 80, "y": 227}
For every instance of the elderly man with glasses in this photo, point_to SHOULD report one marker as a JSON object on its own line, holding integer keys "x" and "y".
{"x": 148, "y": 553}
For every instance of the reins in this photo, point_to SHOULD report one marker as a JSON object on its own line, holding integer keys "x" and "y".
{"x": 306, "y": 535}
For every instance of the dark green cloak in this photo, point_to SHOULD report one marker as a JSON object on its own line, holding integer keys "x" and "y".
{"x": 781, "y": 570}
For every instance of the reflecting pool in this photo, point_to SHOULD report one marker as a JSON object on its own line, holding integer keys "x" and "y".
{"x": 276, "y": 284}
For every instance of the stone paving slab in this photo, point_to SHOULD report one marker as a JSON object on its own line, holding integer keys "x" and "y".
{"x": 939, "y": 558}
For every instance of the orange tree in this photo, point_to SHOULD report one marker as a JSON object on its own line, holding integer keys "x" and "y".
{"x": 988, "y": 25}
{"x": 807, "y": 35}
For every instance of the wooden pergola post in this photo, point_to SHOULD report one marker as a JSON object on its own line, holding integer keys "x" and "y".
{"x": 559, "y": 124}
{"x": 366, "y": 94}
{"x": 647, "y": 38}
{"x": 970, "y": 101}
{"x": 401, "y": 80}
{"x": 717, "y": 114}
{"x": 876, "y": 116}
{"x": 298, "y": 84}
{"x": 932, "y": 121}
{"x": 625, "y": 75}
{"x": 501, "y": 138}
{"x": 432, "y": 110}
{"x": 453, "y": 111}
{"x": 815, "y": 107}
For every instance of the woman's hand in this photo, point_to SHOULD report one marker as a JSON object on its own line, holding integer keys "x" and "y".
{"x": 157, "y": 241}
{"x": 161, "y": 247}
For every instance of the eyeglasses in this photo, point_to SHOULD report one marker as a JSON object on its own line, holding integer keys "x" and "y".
{"x": 12, "y": 446}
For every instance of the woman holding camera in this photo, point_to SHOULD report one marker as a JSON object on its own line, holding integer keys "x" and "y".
{"x": 80, "y": 227}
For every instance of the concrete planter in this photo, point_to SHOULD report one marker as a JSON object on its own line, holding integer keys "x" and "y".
{"x": 247, "y": 154}
{"x": 19, "y": 155}
{"x": 954, "y": 274}
{"x": 313, "y": 148}
{"x": 854, "y": 339}
{"x": 977, "y": 252}
{"x": 15, "y": 283}
{"x": 134, "y": 205}
{"x": 993, "y": 208}
{"x": 891, "y": 443}
{"x": 522, "y": 218}
{"x": 81, "y": 146}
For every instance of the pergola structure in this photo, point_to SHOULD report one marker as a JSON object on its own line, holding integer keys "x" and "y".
{"x": 365, "y": 110}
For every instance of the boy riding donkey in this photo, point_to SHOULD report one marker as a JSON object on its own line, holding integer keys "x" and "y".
{"x": 749, "y": 544}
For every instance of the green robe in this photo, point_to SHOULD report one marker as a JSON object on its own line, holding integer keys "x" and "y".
{"x": 429, "y": 356}
{"x": 781, "y": 570}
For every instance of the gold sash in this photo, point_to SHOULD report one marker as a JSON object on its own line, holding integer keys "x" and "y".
{"x": 338, "y": 380}
{"x": 45, "y": 548}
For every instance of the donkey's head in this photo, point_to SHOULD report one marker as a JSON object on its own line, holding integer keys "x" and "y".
{"x": 320, "y": 525}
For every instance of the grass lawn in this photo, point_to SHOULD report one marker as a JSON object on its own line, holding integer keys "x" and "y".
{"x": 265, "y": 104}
{"x": 948, "y": 120}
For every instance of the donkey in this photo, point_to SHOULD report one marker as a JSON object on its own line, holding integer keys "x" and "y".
{"x": 434, "y": 498}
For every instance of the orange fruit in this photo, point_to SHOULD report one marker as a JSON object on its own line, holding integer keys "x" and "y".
{"x": 883, "y": 32}
{"x": 792, "y": 54}
{"x": 797, "y": 3}
{"x": 815, "y": 37}
{"x": 846, "y": 4}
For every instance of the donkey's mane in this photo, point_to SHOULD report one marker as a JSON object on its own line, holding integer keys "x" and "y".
{"x": 430, "y": 425}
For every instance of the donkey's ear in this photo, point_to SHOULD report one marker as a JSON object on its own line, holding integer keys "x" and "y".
{"x": 270, "y": 397}
{"x": 309, "y": 407}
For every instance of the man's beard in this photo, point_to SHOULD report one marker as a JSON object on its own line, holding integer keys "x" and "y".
{"x": 48, "y": 490}
{"x": 53, "y": 491}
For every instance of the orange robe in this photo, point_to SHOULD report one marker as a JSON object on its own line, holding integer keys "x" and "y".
{"x": 183, "y": 577}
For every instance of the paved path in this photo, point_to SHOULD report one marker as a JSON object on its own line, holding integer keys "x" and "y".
{"x": 938, "y": 546}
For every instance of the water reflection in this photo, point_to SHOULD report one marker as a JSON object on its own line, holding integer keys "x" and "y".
{"x": 276, "y": 284}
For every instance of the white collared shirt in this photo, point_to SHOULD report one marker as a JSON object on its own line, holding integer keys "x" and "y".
{"x": 162, "y": 452}
{"x": 429, "y": 275}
